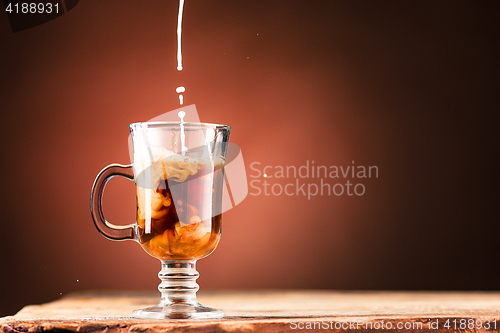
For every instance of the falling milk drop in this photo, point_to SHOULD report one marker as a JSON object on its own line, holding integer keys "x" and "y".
{"x": 180, "y": 90}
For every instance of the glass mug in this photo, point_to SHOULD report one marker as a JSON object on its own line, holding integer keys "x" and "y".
{"x": 178, "y": 170}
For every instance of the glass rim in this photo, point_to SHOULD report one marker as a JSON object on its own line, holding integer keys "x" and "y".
{"x": 171, "y": 124}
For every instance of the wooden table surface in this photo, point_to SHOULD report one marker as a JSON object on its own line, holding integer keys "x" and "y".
{"x": 270, "y": 311}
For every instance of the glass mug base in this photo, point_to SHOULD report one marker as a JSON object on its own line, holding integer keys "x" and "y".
{"x": 178, "y": 311}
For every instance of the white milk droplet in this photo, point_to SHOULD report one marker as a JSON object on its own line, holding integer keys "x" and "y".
{"x": 180, "y": 90}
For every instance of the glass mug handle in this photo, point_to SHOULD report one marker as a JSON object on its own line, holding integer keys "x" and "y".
{"x": 107, "y": 229}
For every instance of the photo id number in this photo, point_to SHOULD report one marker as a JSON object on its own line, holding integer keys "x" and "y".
{"x": 32, "y": 8}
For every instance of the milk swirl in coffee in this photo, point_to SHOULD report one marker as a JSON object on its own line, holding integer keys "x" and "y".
{"x": 182, "y": 225}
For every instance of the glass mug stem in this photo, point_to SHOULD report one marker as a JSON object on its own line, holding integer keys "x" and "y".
{"x": 178, "y": 289}
{"x": 178, "y": 282}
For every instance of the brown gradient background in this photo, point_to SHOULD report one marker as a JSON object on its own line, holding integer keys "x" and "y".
{"x": 411, "y": 87}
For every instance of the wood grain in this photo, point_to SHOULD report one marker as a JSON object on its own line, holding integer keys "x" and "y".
{"x": 269, "y": 311}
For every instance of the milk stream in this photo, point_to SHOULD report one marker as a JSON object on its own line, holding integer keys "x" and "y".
{"x": 180, "y": 89}
{"x": 179, "y": 33}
